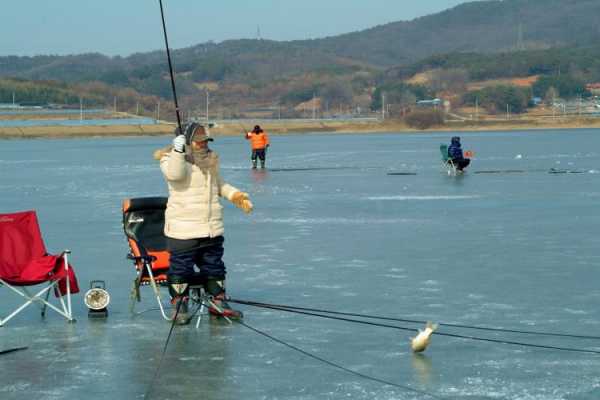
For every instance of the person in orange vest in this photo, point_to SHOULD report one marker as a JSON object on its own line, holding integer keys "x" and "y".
{"x": 260, "y": 143}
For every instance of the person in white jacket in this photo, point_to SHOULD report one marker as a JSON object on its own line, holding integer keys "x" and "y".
{"x": 193, "y": 219}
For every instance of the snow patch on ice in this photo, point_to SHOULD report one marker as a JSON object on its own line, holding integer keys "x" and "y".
{"x": 575, "y": 312}
{"x": 333, "y": 221}
{"x": 423, "y": 198}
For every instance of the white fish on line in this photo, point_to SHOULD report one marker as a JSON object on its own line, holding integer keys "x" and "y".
{"x": 420, "y": 342}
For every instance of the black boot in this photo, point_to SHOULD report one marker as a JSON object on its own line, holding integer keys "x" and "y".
{"x": 219, "y": 306}
{"x": 179, "y": 302}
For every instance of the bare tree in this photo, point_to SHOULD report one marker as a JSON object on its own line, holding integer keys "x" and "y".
{"x": 337, "y": 93}
{"x": 454, "y": 79}
{"x": 551, "y": 95}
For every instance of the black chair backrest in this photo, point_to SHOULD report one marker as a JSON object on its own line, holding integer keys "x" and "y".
{"x": 144, "y": 221}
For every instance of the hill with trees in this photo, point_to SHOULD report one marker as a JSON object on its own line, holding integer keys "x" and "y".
{"x": 473, "y": 41}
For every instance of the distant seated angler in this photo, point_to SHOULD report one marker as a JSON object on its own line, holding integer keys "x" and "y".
{"x": 456, "y": 154}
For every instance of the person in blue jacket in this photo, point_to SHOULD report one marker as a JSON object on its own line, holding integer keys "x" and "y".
{"x": 456, "y": 154}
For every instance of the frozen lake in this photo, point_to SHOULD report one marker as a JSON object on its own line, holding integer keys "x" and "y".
{"x": 516, "y": 250}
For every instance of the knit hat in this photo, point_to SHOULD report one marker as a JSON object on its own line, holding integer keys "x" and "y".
{"x": 193, "y": 133}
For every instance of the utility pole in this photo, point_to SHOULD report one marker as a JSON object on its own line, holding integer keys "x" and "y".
{"x": 13, "y": 99}
{"x": 383, "y": 106}
{"x": 80, "y": 109}
{"x": 115, "y": 104}
{"x": 476, "y": 108}
{"x": 158, "y": 111}
{"x": 137, "y": 108}
{"x": 207, "y": 100}
{"x": 314, "y": 106}
{"x": 507, "y": 112}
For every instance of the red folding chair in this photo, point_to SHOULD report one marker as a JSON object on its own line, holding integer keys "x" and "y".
{"x": 24, "y": 262}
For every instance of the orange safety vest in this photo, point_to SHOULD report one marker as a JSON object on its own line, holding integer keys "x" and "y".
{"x": 258, "y": 140}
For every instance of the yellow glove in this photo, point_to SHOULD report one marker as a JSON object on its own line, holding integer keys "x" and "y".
{"x": 242, "y": 201}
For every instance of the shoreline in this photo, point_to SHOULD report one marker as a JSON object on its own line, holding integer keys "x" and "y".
{"x": 282, "y": 127}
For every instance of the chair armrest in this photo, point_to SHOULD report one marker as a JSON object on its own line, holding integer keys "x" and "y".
{"x": 141, "y": 258}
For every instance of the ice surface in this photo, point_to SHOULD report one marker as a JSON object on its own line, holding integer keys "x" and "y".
{"x": 504, "y": 250}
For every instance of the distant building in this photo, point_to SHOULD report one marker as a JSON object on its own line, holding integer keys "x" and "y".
{"x": 310, "y": 105}
{"x": 9, "y": 106}
{"x": 594, "y": 88}
{"x": 33, "y": 104}
{"x": 433, "y": 103}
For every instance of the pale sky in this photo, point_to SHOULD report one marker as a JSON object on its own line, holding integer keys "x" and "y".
{"x": 122, "y": 27}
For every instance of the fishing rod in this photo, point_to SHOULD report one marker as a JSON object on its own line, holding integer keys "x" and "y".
{"x": 3, "y": 352}
{"x": 164, "y": 351}
{"x": 244, "y": 131}
{"x": 164, "y": 25}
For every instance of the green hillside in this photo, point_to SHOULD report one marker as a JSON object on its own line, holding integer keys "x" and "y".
{"x": 485, "y": 39}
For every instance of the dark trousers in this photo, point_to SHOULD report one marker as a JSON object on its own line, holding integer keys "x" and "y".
{"x": 205, "y": 254}
{"x": 260, "y": 153}
{"x": 462, "y": 163}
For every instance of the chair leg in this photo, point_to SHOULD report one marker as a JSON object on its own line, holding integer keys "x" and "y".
{"x": 32, "y": 299}
{"x": 156, "y": 289}
{"x": 132, "y": 298}
{"x": 136, "y": 289}
{"x": 135, "y": 296}
{"x": 44, "y": 306}
{"x": 450, "y": 168}
{"x": 69, "y": 308}
{"x": 158, "y": 299}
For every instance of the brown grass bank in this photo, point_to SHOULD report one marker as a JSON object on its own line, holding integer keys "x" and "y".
{"x": 281, "y": 127}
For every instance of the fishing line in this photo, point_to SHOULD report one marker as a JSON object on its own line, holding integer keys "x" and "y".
{"x": 309, "y": 169}
{"x": 476, "y": 338}
{"x": 3, "y": 352}
{"x": 338, "y": 366}
{"x": 164, "y": 25}
{"x": 566, "y": 171}
{"x": 164, "y": 351}
{"x": 503, "y": 171}
{"x": 522, "y": 171}
{"x": 481, "y": 328}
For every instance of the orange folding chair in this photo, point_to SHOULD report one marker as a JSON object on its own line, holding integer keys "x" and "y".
{"x": 143, "y": 222}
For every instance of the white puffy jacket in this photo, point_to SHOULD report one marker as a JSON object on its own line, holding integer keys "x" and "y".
{"x": 193, "y": 209}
